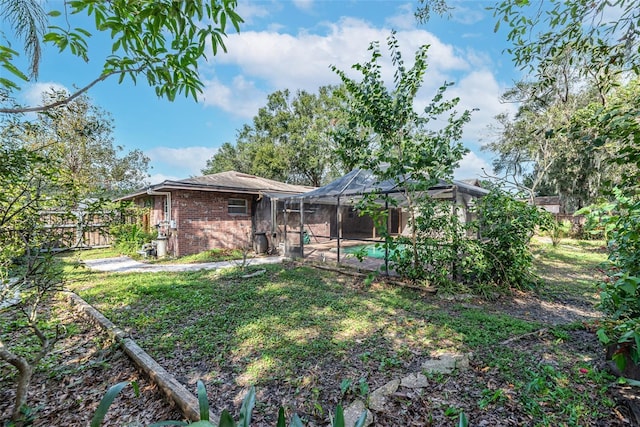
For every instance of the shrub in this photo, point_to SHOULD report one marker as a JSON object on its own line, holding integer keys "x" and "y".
{"x": 506, "y": 226}
{"x": 129, "y": 238}
{"x": 559, "y": 230}
{"x": 620, "y": 290}
{"x": 484, "y": 256}
{"x": 446, "y": 255}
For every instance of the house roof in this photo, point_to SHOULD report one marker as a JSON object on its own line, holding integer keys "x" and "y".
{"x": 362, "y": 181}
{"x": 546, "y": 200}
{"x": 226, "y": 182}
{"x": 472, "y": 181}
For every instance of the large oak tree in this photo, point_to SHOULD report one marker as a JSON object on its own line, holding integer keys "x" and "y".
{"x": 290, "y": 139}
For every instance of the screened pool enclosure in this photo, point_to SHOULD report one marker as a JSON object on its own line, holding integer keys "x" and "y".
{"x": 325, "y": 221}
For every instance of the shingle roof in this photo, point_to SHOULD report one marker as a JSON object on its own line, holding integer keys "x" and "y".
{"x": 229, "y": 182}
{"x": 233, "y": 179}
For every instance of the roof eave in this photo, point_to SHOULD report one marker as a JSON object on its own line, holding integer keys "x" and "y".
{"x": 175, "y": 185}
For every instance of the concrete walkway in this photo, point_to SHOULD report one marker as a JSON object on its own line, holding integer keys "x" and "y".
{"x": 125, "y": 264}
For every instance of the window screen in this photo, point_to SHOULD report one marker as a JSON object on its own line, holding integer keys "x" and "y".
{"x": 238, "y": 206}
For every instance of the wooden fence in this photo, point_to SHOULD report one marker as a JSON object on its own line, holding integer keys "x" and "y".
{"x": 77, "y": 230}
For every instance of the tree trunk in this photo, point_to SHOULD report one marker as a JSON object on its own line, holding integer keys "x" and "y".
{"x": 25, "y": 372}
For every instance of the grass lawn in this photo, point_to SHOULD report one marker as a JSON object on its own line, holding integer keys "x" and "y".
{"x": 213, "y": 255}
{"x": 297, "y": 333}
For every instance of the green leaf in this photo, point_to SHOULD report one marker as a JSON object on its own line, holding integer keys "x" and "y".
{"x": 223, "y": 21}
{"x": 8, "y": 84}
{"x": 338, "y": 419}
{"x": 136, "y": 388}
{"x": 247, "y": 408}
{"x": 462, "y": 421}
{"x": 203, "y": 401}
{"x": 106, "y": 402}
{"x": 630, "y": 381}
{"x": 620, "y": 360}
{"x": 226, "y": 420}
{"x": 236, "y": 20}
{"x": 15, "y": 71}
{"x": 281, "y": 420}
{"x": 345, "y": 384}
{"x": 54, "y": 13}
{"x": 296, "y": 421}
{"x": 83, "y": 32}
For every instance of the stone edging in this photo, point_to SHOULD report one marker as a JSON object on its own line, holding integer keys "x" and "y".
{"x": 184, "y": 399}
{"x": 444, "y": 363}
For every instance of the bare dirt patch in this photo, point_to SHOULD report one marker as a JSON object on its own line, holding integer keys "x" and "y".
{"x": 77, "y": 374}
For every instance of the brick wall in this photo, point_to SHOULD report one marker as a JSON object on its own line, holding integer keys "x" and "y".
{"x": 203, "y": 222}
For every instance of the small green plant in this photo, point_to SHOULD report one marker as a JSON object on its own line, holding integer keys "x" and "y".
{"x": 226, "y": 420}
{"x": 559, "y": 230}
{"x": 620, "y": 290}
{"x": 107, "y": 400}
{"x": 361, "y": 389}
{"x": 451, "y": 411}
{"x": 345, "y": 386}
{"x": 491, "y": 396}
{"x": 129, "y": 238}
{"x": 365, "y": 356}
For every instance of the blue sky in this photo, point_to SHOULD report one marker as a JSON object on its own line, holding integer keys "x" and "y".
{"x": 290, "y": 45}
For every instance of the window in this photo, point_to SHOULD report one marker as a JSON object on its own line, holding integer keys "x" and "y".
{"x": 237, "y": 206}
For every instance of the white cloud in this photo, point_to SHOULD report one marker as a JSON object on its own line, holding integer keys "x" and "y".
{"x": 157, "y": 178}
{"x": 305, "y": 5}
{"x": 266, "y": 61}
{"x": 33, "y": 94}
{"x": 479, "y": 90}
{"x": 184, "y": 161}
{"x": 471, "y": 166}
{"x": 467, "y": 16}
{"x": 404, "y": 19}
{"x": 241, "y": 97}
{"x": 250, "y": 10}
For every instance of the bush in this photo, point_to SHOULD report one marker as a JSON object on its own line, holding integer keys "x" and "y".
{"x": 620, "y": 290}
{"x": 129, "y": 238}
{"x": 506, "y": 226}
{"x": 559, "y": 230}
{"x": 485, "y": 256}
{"x": 446, "y": 255}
